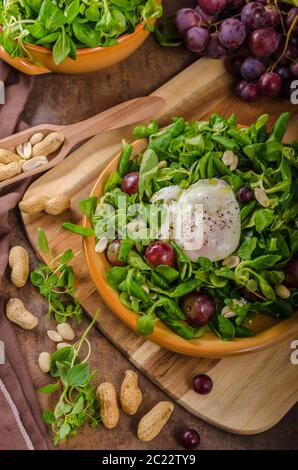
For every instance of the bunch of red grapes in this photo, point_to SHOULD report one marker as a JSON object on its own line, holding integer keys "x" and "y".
{"x": 265, "y": 31}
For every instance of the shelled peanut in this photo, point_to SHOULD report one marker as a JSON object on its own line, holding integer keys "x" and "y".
{"x": 29, "y": 155}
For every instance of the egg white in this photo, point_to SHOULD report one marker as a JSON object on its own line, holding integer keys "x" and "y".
{"x": 220, "y": 224}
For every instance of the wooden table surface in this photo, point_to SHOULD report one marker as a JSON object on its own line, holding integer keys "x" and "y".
{"x": 66, "y": 99}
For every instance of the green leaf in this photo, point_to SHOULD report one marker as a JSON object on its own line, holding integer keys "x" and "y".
{"x": 48, "y": 39}
{"x": 72, "y": 10}
{"x": 37, "y": 30}
{"x": 37, "y": 278}
{"x": 42, "y": 241}
{"x": 140, "y": 132}
{"x": 61, "y": 48}
{"x": 281, "y": 124}
{"x": 292, "y": 2}
{"x": 92, "y": 12}
{"x": 186, "y": 287}
{"x": 204, "y": 263}
{"x": 66, "y": 257}
{"x": 88, "y": 206}
{"x": 265, "y": 288}
{"x": 78, "y": 375}
{"x": 116, "y": 275}
{"x": 263, "y": 218}
{"x": 136, "y": 261}
{"x": 262, "y": 262}
{"x": 48, "y": 417}
{"x": 225, "y": 328}
{"x": 243, "y": 332}
{"x": 170, "y": 274}
{"x": 247, "y": 248}
{"x": 125, "y": 248}
{"x": 64, "y": 355}
{"x": 173, "y": 309}
{"x": 59, "y": 409}
{"x": 84, "y": 231}
{"x": 78, "y": 407}
{"x": 124, "y": 160}
{"x": 148, "y": 168}
{"x": 86, "y": 34}
{"x": 113, "y": 182}
{"x": 145, "y": 325}
{"x": 64, "y": 430}
{"x": 49, "y": 388}
{"x": 51, "y": 16}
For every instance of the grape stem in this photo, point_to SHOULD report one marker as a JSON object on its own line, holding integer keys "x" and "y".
{"x": 286, "y": 44}
{"x": 221, "y": 21}
{"x": 280, "y": 16}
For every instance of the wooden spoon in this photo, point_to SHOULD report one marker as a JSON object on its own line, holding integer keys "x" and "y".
{"x": 125, "y": 114}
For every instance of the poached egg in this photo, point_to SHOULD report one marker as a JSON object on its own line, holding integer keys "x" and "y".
{"x": 219, "y": 224}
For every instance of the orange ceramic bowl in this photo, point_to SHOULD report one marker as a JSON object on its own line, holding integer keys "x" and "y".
{"x": 88, "y": 59}
{"x": 269, "y": 331}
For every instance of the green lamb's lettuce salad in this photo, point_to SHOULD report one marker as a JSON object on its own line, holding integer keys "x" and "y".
{"x": 67, "y": 25}
{"x": 251, "y": 268}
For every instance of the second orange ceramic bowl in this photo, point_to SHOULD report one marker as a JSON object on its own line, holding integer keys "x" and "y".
{"x": 269, "y": 331}
{"x": 88, "y": 59}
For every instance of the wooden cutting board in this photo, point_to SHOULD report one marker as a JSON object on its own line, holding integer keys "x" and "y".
{"x": 251, "y": 393}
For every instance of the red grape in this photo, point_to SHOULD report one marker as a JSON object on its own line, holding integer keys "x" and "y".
{"x": 235, "y": 65}
{"x": 198, "y": 308}
{"x": 249, "y": 92}
{"x": 239, "y": 86}
{"x": 250, "y": 296}
{"x": 253, "y": 15}
{"x": 245, "y": 195}
{"x": 211, "y": 7}
{"x": 251, "y": 69}
{"x": 263, "y": 42}
{"x": 234, "y": 3}
{"x": 130, "y": 183}
{"x": 196, "y": 39}
{"x": 202, "y": 384}
{"x": 232, "y": 33}
{"x": 294, "y": 69}
{"x": 185, "y": 19}
{"x": 284, "y": 73}
{"x": 206, "y": 18}
{"x": 269, "y": 84}
{"x": 160, "y": 252}
{"x": 294, "y": 40}
{"x": 272, "y": 16}
{"x": 189, "y": 439}
{"x": 215, "y": 49}
{"x": 293, "y": 13}
{"x": 267, "y": 61}
{"x": 279, "y": 51}
{"x": 291, "y": 52}
{"x": 291, "y": 273}
{"x": 113, "y": 253}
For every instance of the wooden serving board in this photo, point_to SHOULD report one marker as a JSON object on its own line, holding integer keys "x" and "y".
{"x": 251, "y": 393}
